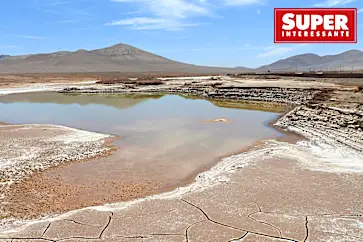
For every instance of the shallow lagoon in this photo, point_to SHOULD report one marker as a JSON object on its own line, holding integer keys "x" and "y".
{"x": 163, "y": 138}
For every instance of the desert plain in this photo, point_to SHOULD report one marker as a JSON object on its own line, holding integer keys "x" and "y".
{"x": 303, "y": 186}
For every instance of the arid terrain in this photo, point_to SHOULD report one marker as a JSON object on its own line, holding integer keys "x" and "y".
{"x": 347, "y": 61}
{"x": 303, "y": 187}
{"x": 127, "y": 59}
{"x": 116, "y": 58}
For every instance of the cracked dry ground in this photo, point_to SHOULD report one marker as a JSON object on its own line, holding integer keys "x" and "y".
{"x": 272, "y": 200}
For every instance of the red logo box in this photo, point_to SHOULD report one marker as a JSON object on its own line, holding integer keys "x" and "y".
{"x": 315, "y": 25}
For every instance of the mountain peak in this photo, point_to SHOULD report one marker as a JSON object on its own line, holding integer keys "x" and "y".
{"x": 354, "y": 51}
{"x": 123, "y": 51}
{"x": 351, "y": 53}
{"x": 119, "y": 45}
{"x": 307, "y": 55}
{"x": 80, "y": 51}
{"x": 4, "y": 56}
{"x": 351, "y": 59}
{"x": 117, "y": 58}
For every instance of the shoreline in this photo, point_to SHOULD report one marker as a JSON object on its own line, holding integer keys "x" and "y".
{"x": 38, "y": 177}
{"x": 40, "y": 87}
{"x": 220, "y": 166}
{"x": 220, "y": 172}
{"x": 64, "y": 145}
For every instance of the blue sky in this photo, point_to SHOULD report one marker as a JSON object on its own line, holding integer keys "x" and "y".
{"x": 205, "y": 32}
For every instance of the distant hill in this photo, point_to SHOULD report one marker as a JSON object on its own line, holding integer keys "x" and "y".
{"x": 117, "y": 58}
{"x": 345, "y": 61}
{"x": 3, "y": 56}
{"x": 126, "y": 58}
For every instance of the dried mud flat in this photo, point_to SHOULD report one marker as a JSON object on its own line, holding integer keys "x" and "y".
{"x": 27, "y": 149}
{"x": 305, "y": 191}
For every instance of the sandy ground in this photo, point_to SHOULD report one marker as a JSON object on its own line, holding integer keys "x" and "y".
{"x": 19, "y": 80}
{"x": 40, "y": 87}
{"x": 77, "y": 185}
{"x": 280, "y": 191}
{"x": 28, "y": 149}
{"x": 280, "y": 200}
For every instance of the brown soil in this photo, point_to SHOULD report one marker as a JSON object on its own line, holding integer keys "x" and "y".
{"x": 39, "y": 195}
{"x": 7, "y": 81}
{"x": 51, "y": 192}
{"x": 295, "y": 192}
{"x": 274, "y": 200}
{"x": 11, "y": 80}
{"x": 45, "y": 193}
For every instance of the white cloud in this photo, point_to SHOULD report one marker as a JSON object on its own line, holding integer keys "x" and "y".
{"x": 173, "y": 14}
{"x": 51, "y": 3}
{"x": 166, "y": 14}
{"x": 333, "y": 3}
{"x": 171, "y": 8}
{"x": 67, "y": 21}
{"x": 7, "y": 46}
{"x": 241, "y": 2}
{"x": 62, "y": 8}
{"x": 360, "y": 10}
{"x": 143, "y": 23}
{"x": 30, "y": 37}
{"x": 166, "y": 26}
{"x": 132, "y": 12}
{"x": 276, "y": 51}
{"x": 138, "y": 21}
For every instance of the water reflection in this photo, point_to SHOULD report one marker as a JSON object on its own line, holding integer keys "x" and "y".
{"x": 161, "y": 136}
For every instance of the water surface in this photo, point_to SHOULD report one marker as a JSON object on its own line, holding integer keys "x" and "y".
{"x": 162, "y": 137}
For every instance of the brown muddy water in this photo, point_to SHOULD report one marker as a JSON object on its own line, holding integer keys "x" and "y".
{"x": 164, "y": 141}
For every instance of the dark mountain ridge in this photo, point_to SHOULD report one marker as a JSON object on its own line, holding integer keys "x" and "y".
{"x": 117, "y": 58}
{"x": 126, "y": 58}
{"x": 352, "y": 59}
